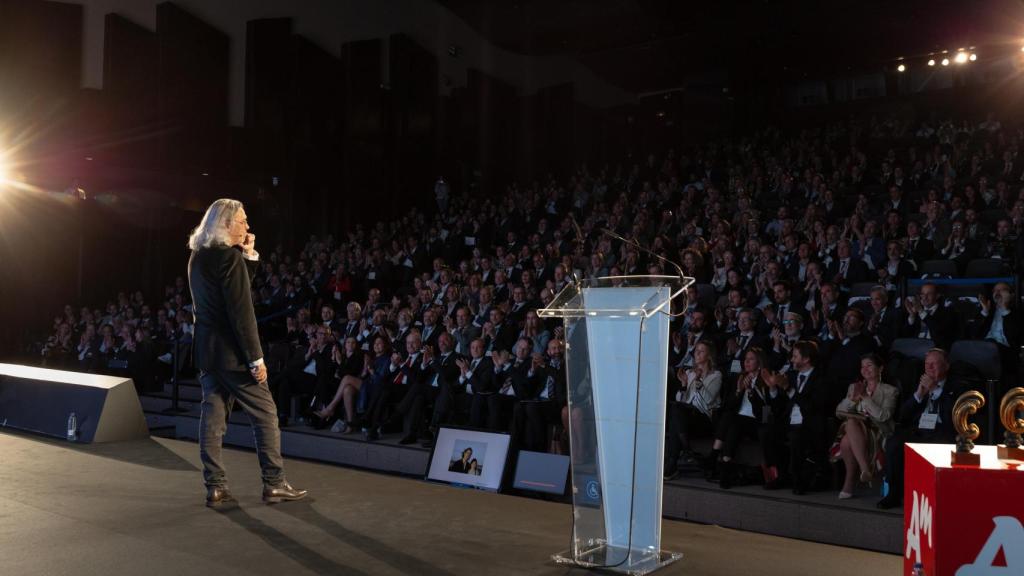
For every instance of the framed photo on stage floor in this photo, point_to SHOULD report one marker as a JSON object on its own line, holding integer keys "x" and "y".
{"x": 469, "y": 457}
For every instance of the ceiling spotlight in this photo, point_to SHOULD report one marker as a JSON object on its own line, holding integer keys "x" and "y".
{"x": 972, "y": 57}
{"x": 945, "y": 61}
{"x": 901, "y": 68}
{"x": 961, "y": 58}
{"x": 931, "y": 62}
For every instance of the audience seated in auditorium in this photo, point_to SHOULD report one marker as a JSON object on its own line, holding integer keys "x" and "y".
{"x": 786, "y": 231}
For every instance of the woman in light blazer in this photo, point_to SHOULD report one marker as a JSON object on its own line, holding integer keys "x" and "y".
{"x": 867, "y": 413}
{"x": 692, "y": 407}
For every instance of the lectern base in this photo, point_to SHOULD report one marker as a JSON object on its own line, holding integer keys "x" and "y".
{"x": 618, "y": 559}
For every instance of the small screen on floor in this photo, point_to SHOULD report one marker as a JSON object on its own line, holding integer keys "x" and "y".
{"x": 541, "y": 472}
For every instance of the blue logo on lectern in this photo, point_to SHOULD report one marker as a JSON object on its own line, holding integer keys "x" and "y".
{"x": 587, "y": 490}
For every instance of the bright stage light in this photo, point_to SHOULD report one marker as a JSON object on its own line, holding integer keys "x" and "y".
{"x": 961, "y": 58}
{"x": 901, "y": 68}
{"x": 972, "y": 57}
{"x": 931, "y": 62}
{"x": 945, "y": 61}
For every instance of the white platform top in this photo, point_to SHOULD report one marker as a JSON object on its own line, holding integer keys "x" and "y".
{"x": 80, "y": 378}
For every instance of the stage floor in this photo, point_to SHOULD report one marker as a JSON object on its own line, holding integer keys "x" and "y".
{"x": 137, "y": 508}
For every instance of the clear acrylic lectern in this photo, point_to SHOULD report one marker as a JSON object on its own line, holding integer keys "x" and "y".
{"x": 616, "y": 351}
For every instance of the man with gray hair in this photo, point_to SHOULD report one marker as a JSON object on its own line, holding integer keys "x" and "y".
{"x": 227, "y": 349}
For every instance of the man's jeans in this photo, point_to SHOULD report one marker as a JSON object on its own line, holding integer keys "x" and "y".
{"x": 221, "y": 388}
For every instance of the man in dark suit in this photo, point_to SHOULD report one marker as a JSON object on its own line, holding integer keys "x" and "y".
{"x": 483, "y": 312}
{"x": 918, "y": 247}
{"x": 925, "y": 417}
{"x": 329, "y": 320}
{"x": 846, "y": 344}
{"x": 407, "y": 377}
{"x": 444, "y": 381}
{"x": 781, "y": 354}
{"x": 518, "y": 307}
{"x": 998, "y": 322}
{"x": 499, "y": 335}
{"x": 477, "y": 375}
{"x": 350, "y": 328}
{"x": 895, "y": 268}
{"x": 501, "y": 291}
{"x": 228, "y": 352}
{"x": 831, "y": 308}
{"x": 1002, "y": 243}
{"x": 798, "y": 403}
{"x": 521, "y": 376}
{"x": 895, "y": 202}
{"x": 846, "y": 270}
{"x": 680, "y": 354}
{"x": 541, "y": 412}
{"x": 462, "y": 329}
{"x": 742, "y": 340}
{"x": 431, "y": 329}
{"x": 882, "y": 323}
{"x": 308, "y": 374}
{"x": 976, "y": 229}
{"x": 926, "y": 317}
{"x": 782, "y": 293}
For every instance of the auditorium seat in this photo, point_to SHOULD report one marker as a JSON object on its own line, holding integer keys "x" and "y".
{"x": 982, "y": 354}
{"x": 912, "y": 347}
{"x": 862, "y": 289}
{"x": 945, "y": 268}
{"x": 986, "y": 268}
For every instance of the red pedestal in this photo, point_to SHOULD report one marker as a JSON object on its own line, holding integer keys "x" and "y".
{"x": 963, "y": 520}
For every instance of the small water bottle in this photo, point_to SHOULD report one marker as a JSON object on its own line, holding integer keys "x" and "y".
{"x": 72, "y": 427}
{"x": 918, "y": 569}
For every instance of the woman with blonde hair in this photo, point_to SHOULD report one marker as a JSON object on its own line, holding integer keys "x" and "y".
{"x": 693, "y": 404}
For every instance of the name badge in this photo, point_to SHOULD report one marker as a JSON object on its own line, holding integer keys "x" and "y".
{"x": 928, "y": 421}
{"x": 371, "y": 275}
{"x": 470, "y": 241}
{"x": 736, "y": 367}
{"x": 337, "y": 295}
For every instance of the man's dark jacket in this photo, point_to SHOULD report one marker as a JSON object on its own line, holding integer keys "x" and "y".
{"x": 226, "y": 337}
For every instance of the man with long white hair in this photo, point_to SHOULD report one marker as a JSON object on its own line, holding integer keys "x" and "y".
{"x": 227, "y": 349}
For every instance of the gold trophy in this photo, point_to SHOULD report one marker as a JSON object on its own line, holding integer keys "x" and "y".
{"x": 1012, "y": 403}
{"x": 966, "y": 405}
